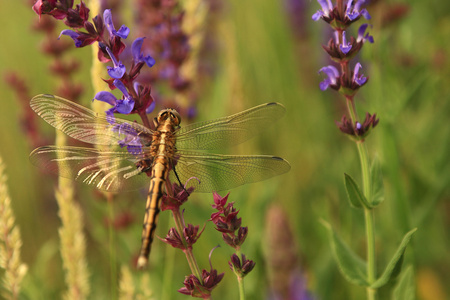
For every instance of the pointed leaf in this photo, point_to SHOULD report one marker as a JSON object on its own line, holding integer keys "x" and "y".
{"x": 351, "y": 266}
{"x": 405, "y": 288}
{"x": 394, "y": 267}
{"x": 355, "y": 196}
{"x": 376, "y": 177}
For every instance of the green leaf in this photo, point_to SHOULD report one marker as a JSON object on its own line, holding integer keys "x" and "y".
{"x": 355, "y": 196}
{"x": 394, "y": 267}
{"x": 376, "y": 178}
{"x": 405, "y": 288}
{"x": 351, "y": 266}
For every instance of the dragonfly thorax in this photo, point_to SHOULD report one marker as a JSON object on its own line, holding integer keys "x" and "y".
{"x": 169, "y": 114}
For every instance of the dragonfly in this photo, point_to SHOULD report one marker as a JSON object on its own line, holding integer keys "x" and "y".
{"x": 138, "y": 156}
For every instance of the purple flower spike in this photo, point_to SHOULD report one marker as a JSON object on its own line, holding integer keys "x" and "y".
{"x": 138, "y": 56}
{"x": 345, "y": 47}
{"x": 118, "y": 70}
{"x": 359, "y": 79}
{"x": 122, "y": 32}
{"x": 326, "y": 8}
{"x": 333, "y": 76}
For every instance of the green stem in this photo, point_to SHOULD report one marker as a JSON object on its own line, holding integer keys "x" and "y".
{"x": 112, "y": 245}
{"x": 241, "y": 287}
{"x": 188, "y": 252}
{"x": 369, "y": 219}
{"x": 240, "y": 280}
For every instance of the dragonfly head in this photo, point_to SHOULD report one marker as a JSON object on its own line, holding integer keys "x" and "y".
{"x": 169, "y": 114}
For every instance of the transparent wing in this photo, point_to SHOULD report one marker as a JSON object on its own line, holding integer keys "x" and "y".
{"x": 230, "y": 130}
{"x": 111, "y": 171}
{"x": 87, "y": 126}
{"x": 223, "y": 172}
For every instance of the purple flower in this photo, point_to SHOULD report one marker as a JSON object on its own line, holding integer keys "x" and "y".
{"x": 81, "y": 39}
{"x": 358, "y": 78}
{"x": 75, "y": 36}
{"x": 118, "y": 70}
{"x": 138, "y": 57}
{"x": 354, "y": 11}
{"x": 131, "y": 138}
{"x": 363, "y": 38}
{"x": 122, "y": 106}
{"x": 327, "y": 7}
{"x": 345, "y": 47}
{"x": 122, "y": 32}
{"x": 332, "y": 79}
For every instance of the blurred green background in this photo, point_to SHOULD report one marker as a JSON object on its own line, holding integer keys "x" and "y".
{"x": 261, "y": 58}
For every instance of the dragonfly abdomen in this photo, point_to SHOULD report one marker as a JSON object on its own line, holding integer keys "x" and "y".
{"x": 162, "y": 150}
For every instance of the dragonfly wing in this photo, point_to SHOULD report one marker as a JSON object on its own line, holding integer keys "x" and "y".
{"x": 87, "y": 126}
{"x": 231, "y": 130}
{"x": 222, "y": 172}
{"x": 110, "y": 171}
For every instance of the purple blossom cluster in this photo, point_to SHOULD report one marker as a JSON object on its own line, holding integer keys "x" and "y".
{"x": 166, "y": 22}
{"x": 184, "y": 238}
{"x": 233, "y": 233}
{"x": 202, "y": 288}
{"x": 136, "y": 97}
{"x": 347, "y": 80}
{"x": 163, "y": 20}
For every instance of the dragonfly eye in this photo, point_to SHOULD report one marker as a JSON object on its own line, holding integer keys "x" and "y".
{"x": 171, "y": 114}
{"x": 176, "y": 118}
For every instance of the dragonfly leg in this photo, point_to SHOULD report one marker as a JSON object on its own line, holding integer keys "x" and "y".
{"x": 179, "y": 181}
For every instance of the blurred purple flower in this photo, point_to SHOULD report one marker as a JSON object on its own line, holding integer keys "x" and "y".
{"x": 327, "y": 7}
{"x": 354, "y": 11}
{"x": 345, "y": 47}
{"x": 362, "y": 37}
{"x": 358, "y": 78}
{"x": 332, "y": 77}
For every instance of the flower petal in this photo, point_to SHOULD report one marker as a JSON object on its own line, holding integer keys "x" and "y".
{"x": 119, "y": 84}
{"x": 136, "y": 48}
{"x": 117, "y": 71}
{"x": 123, "y": 31}
{"x": 138, "y": 56}
{"x": 125, "y": 106}
{"x": 151, "y": 107}
{"x": 73, "y": 35}
{"x": 317, "y": 15}
{"x": 106, "y": 97}
{"x": 345, "y": 47}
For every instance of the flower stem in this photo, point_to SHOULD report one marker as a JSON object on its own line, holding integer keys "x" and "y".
{"x": 369, "y": 219}
{"x": 112, "y": 245}
{"x": 188, "y": 252}
{"x": 240, "y": 280}
{"x": 241, "y": 287}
